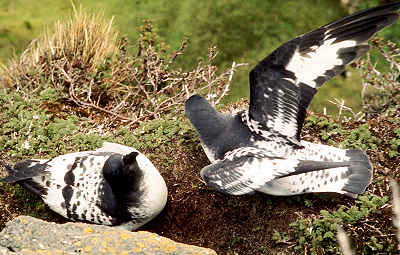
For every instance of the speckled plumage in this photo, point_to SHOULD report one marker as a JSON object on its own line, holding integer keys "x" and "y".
{"x": 115, "y": 185}
{"x": 261, "y": 149}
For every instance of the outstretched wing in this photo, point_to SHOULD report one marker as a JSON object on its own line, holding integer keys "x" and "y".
{"x": 247, "y": 169}
{"x": 284, "y": 83}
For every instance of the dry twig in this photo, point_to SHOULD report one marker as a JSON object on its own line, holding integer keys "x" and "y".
{"x": 84, "y": 63}
{"x": 396, "y": 206}
{"x": 343, "y": 241}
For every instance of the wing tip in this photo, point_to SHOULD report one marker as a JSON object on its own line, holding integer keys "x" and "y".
{"x": 386, "y": 9}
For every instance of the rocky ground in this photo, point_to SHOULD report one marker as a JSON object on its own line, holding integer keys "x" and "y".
{"x": 27, "y": 235}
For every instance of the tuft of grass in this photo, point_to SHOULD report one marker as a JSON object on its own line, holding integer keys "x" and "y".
{"x": 83, "y": 64}
{"x": 85, "y": 40}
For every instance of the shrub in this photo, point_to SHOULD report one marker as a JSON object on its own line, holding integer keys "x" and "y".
{"x": 82, "y": 63}
{"x": 381, "y": 79}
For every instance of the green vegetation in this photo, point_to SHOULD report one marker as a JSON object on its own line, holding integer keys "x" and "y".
{"x": 395, "y": 144}
{"x": 59, "y": 106}
{"x": 319, "y": 235}
{"x": 243, "y": 31}
{"x": 359, "y": 137}
{"x": 157, "y": 137}
{"x": 37, "y": 132}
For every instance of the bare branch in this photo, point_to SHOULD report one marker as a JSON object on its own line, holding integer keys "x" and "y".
{"x": 396, "y": 206}
{"x": 340, "y": 104}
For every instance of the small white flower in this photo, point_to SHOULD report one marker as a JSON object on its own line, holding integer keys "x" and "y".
{"x": 26, "y": 145}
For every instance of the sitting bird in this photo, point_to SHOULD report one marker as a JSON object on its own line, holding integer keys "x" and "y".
{"x": 260, "y": 149}
{"x": 114, "y": 185}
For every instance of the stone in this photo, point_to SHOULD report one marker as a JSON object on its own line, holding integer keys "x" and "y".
{"x": 27, "y": 235}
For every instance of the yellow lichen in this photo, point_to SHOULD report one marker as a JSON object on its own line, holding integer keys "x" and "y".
{"x": 137, "y": 249}
{"x": 111, "y": 250}
{"x": 44, "y": 252}
{"x": 88, "y": 230}
{"x": 167, "y": 246}
{"x": 125, "y": 236}
{"x": 88, "y": 248}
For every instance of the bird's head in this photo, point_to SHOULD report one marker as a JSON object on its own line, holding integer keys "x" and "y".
{"x": 122, "y": 171}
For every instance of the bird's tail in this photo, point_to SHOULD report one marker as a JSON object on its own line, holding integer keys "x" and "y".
{"x": 350, "y": 177}
{"x": 359, "y": 173}
{"x": 24, "y": 170}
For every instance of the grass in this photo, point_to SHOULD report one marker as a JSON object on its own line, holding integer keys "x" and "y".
{"x": 22, "y": 20}
{"x": 243, "y": 31}
{"x": 82, "y": 62}
{"x": 86, "y": 41}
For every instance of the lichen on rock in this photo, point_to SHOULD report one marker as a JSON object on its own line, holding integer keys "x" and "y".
{"x": 27, "y": 235}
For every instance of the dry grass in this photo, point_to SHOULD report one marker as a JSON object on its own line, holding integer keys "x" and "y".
{"x": 84, "y": 40}
{"x": 88, "y": 67}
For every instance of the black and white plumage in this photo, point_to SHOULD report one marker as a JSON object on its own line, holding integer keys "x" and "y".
{"x": 260, "y": 149}
{"x": 114, "y": 185}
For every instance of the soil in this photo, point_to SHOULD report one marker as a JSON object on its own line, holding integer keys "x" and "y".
{"x": 197, "y": 215}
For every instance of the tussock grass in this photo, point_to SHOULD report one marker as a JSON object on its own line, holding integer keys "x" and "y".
{"x": 84, "y": 63}
{"x": 85, "y": 40}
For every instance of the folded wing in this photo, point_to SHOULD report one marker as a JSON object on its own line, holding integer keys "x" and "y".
{"x": 248, "y": 169}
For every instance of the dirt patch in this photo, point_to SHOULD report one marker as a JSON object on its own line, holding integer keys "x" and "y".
{"x": 197, "y": 215}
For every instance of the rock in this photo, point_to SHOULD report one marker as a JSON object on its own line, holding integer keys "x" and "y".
{"x": 27, "y": 235}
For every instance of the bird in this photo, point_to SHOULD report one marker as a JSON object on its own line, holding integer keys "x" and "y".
{"x": 260, "y": 149}
{"x": 115, "y": 185}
